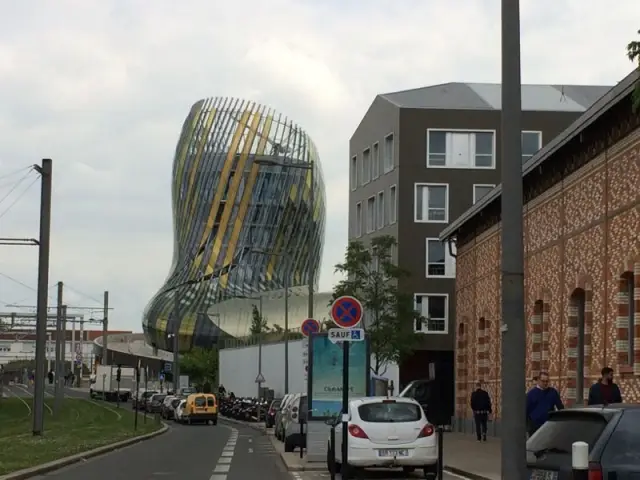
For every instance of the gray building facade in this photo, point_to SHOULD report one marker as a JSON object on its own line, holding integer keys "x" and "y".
{"x": 419, "y": 159}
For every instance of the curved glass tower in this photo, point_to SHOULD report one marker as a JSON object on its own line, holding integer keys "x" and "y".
{"x": 243, "y": 222}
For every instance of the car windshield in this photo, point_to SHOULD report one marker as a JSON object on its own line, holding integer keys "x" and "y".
{"x": 562, "y": 430}
{"x": 275, "y": 403}
{"x": 159, "y": 398}
{"x": 390, "y": 412}
{"x": 200, "y": 402}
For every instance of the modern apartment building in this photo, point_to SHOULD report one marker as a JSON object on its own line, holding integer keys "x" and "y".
{"x": 418, "y": 160}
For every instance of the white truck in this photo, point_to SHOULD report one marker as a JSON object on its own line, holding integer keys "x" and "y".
{"x": 104, "y": 384}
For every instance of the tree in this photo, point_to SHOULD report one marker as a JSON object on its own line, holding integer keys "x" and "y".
{"x": 258, "y": 324}
{"x": 201, "y": 364}
{"x": 389, "y": 318}
{"x": 633, "y": 52}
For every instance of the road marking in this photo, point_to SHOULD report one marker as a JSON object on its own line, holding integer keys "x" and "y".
{"x": 250, "y": 450}
{"x": 451, "y": 474}
{"x": 250, "y": 440}
{"x": 226, "y": 457}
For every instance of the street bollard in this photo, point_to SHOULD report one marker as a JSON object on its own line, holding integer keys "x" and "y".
{"x": 580, "y": 461}
{"x": 303, "y": 441}
{"x": 440, "y": 440}
{"x": 332, "y": 452}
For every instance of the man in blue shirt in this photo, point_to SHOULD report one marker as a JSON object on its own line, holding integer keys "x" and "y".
{"x": 541, "y": 400}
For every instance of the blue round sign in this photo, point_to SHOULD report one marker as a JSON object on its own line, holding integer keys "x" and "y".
{"x": 346, "y": 311}
{"x": 309, "y": 326}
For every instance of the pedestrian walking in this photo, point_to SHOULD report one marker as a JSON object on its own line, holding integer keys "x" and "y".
{"x": 541, "y": 400}
{"x": 604, "y": 391}
{"x": 481, "y": 406}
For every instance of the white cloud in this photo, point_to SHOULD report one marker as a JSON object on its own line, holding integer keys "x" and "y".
{"x": 103, "y": 87}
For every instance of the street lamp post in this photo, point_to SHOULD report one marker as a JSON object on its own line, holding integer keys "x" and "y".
{"x": 286, "y": 319}
{"x": 270, "y": 161}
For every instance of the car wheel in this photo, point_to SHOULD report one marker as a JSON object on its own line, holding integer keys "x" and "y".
{"x": 408, "y": 469}
{"x": 289, "y": 445}
{"x": 431, "y": 472}
{"x": 331, "y": 461}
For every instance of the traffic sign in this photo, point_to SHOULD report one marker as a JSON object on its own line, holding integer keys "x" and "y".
{"x": 260, "y": 378}
{"x": 310, "y": 326}
{"x": 346, "y": 311}
{"x": 346, "y": 335}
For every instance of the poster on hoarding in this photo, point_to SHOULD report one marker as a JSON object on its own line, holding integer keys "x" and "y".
{"x": 325, "y": 375}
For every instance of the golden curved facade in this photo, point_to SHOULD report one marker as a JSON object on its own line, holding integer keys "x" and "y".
{"x": 248, "y": 203}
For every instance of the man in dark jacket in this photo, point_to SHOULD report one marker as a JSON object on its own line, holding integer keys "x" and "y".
{"x": 481, "y": 407}
{"x": 541, "y": 400}
{"x": 605, "y": 391}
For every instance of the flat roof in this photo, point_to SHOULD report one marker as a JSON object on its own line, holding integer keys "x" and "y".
{"x": 612, "y": 97}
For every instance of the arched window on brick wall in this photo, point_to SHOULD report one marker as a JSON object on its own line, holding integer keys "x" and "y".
{"x": 579, "y": 342}
{"x": 536, "y": 337}
{"x": 481, "y": 350}
{"x": 461, "y": 370}
{"x": 627, "y": 331}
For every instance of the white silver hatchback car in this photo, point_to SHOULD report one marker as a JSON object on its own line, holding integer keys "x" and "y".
{"x": 387, "y": 432}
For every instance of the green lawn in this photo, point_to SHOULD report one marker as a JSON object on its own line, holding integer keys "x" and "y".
{"x": 81, "y": 425}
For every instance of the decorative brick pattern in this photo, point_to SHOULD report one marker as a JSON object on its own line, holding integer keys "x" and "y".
{"x": 580, "y": 234}
{"x": 461, "y": 369}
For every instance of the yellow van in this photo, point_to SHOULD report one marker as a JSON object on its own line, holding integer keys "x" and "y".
{"x": 201, "y": 407}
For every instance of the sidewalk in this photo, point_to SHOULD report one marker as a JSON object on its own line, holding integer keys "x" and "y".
{"x": 463, "y": 454}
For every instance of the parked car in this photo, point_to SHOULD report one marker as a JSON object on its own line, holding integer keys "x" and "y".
{"x": 270, "y": 418}
{"x": 178, "y": 414}
{"x": 386, "y": 432}
{"x": 296, "y": 414}
{"x": 154, "y": 404}
{"x": 166, "y": 411}
{"x": 280, "y": 416}
{"x": 142, "y": 400}
{"x": 611, "y": 433}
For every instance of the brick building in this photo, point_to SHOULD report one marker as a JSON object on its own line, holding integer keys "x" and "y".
{"x": 582, "y": 261}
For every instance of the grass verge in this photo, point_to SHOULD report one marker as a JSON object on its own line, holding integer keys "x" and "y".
{"x": 82, "y": 425}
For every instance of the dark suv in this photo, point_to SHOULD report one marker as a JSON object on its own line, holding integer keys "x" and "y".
{"x": 613, "y": 435}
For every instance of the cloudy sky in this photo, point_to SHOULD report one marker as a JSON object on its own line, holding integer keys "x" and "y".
{"x": 102, "y": 87}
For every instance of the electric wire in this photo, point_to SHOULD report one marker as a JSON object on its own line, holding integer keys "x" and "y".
{"x": 17, "y": 199}
{"x": 15, "y": 172}
{"x": 88, "y": 297}
{"x": 17, "y": 184}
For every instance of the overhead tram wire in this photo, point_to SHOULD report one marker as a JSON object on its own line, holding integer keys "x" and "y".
{"x": 22, "y": 284}
{"x": 17, "y": 184}
{"x": 15, "y": 172}
{"x": 17, "y": 199}
{"x": 88, "y": 297}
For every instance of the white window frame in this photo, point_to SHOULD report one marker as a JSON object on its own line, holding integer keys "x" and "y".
{"x": 380, "y": 210}
{"x": 446, "y": 313}
{"x": 353, "y": 174}
{"x": 487, "y": 185}
{"x": 366, "y": 165}
{"x": 539, "y": 132}
{"x": 371, "y": 228}
{"x": 463, "y": 130}
{"x": 375, "y": 160}
{"x": 449, "y": 260}
{"x": 393, "y": 204}
{"x": 390, "y": 167}
{"x": 415, "y": 204}
{"x": 358, "y": 231}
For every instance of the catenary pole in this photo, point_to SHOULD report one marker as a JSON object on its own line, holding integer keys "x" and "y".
{"x": 43, "y": 286}
{"x": 512, "y": 262}
{"x": 59, "y": 363}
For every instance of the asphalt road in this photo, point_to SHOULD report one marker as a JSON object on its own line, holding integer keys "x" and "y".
{"x": 197, "y": 452}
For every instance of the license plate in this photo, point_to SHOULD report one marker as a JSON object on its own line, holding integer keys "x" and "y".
{"x": 543, "y": 475}
{"x": 393, "y": 453}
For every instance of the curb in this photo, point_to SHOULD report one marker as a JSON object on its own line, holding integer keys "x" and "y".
{"x": 78, "y": 457}
{"x": 462, "y": 473}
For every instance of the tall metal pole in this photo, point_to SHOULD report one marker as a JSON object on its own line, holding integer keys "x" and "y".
{"x": 81, "y": 350}
{"x": 513, "y": 328}
{"x": 286, "y": 326}
{"x": 43, "y": 286}
{"x": 176, "y": 342}
{"x": 260, "y": 353}
{"x": 63, "y": 353}
{"x": 105, "y": 329}
{"x": 73, "y": 349}
{"x": 312, "y": 270}
{"x": 59, "y": 387}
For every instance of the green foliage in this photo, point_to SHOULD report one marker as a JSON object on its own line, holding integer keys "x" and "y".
{"x": 258, "y": 324}
{"x": 201, "y": 364}
{"x": 633, "y": 52}
{"x": 372, "y": 277}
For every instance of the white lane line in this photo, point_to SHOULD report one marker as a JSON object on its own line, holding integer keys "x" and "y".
{"x": 251, "y": 450}
{"x": 455, "y": 475}
{"x": 226, "y": 457}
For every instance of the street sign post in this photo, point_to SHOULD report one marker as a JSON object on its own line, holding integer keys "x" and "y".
{"x": 309, "y": 326}
{"x": 346, "y": 312}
